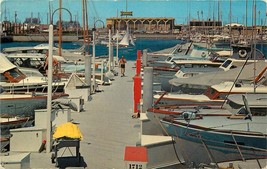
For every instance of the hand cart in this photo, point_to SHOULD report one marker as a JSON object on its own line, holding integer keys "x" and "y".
{"x": 65, "y": 143}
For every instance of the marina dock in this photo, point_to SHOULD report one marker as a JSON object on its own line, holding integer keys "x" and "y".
{"x": 106, "y": 125}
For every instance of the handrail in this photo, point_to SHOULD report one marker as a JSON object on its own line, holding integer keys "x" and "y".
{"x": 208, "y": 151}
{"x": 243, "y": 159}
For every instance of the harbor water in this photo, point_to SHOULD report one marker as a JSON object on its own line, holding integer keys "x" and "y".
{"x": 129, "y": 53}
{"x": 102, "y": 50}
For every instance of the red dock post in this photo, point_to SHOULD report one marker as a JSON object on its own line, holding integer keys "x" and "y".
{"x": 137, "y": 93}
{"x": 138, "y": 63}
{"x": 137, "y": 83}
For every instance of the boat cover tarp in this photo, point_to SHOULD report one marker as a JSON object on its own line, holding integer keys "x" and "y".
{"x": 68, "y": 130}
{"x": 5, "y": 64}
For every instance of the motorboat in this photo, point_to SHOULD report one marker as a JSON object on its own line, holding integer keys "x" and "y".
{"x": 214, "y": 95}
{"x": 68, "y": 55}
{"x": 220, "y": 135}
{"x": 188, "y": 69}
{"x": 23, "y": 104}
{"x": 14, "y": 78}
{"x": 32, "y": 60}
{"x": 205, "y": 80}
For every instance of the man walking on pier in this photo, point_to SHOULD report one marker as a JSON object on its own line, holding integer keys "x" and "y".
{"x": 122, "y": 62}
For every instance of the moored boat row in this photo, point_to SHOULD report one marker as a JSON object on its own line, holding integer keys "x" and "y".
{"x": 213, "y": 116}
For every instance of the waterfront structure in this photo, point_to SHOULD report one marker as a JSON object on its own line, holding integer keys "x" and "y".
{"x": 142, "y": 25}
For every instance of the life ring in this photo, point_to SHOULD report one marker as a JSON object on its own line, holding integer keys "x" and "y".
{"x": 242, "y": 53}
{"x": 203, "y": 54}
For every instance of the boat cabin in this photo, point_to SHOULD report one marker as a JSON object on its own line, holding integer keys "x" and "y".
{"x": 27, "y": 60}
{"x": 214, "y": 94}
{"x": 13, "y": 75}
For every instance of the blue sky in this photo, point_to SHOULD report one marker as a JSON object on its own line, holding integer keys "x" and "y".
{"x": 102, "y": 9}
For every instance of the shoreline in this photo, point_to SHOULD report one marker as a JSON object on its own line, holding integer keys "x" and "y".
{"x": 44, "y": 38}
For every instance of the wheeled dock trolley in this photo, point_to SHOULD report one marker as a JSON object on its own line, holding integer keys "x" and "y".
{"x": 65, "y": 143}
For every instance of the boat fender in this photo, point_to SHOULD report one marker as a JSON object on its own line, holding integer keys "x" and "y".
{"x": 238, "y": 85}
{"x": 242, "y": 53}
{"x": 203, "y": 54}
{"x": 42, "y": 147}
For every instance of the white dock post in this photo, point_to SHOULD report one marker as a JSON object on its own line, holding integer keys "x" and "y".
{"x": 93, "y": 91}
{"x": 111, "y": 58}
{"x": 117, "y": 49}
{"x": 49, "y": 90}
{"x": 88, "y": 71}
{"x": 109, "y": 74}
{"x": 144, "y": 58}
{"x": 102, "y": 71}
{"x": 109, "y": 50}
{"x": 147, "y": 89}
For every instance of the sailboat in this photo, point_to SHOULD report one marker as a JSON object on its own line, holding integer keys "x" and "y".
{"x": 127, "y": 40}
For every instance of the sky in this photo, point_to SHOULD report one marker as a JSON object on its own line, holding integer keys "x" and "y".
{"x": 181, "y": 10}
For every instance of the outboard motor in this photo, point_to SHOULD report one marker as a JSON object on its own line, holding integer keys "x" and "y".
{"x": 189, "y": 115}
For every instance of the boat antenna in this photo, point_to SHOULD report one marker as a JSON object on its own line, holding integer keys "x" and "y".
{"x": 60, "y": 28}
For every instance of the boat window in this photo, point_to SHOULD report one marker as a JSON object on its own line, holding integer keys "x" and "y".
{"x": 233, "y": 66}
{"x": 212, "y": 93}
{"x": 235, "y": 143}
{"x": 3, "y": 78}
{"x": 226, "y": 63}
{"x": 190, "y": 74}
{"x": 168, "y": 59}
{"x": 188, "y": 66}
{"x": 258, "y": 111}
{"x": 242, "y": 110}
{"x": 14, "y": 73}
{"x": 222, "y": 96}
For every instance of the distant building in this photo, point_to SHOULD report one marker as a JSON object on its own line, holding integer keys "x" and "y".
{"x": 142, "y": 25}
{"x": 205, "y": 23}
{"x": 32, "y": 20}
{"x": 69, "y": 26}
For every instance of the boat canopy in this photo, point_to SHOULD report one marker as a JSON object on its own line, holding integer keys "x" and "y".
{"x": 5, "y": 64}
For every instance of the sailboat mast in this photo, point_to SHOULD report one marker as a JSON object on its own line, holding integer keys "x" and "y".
{"x": 60, "y": 29}
{"x": 83, "y": 17}
{"x": 218, "y": 10}
{"x": 5, "y": 13}
{"x": 230, "y": 20}
{"x": 87, "y": 26}
{"x": 126, "y": 5}
{"x": 254, "y": 39}
{"x": 87, "y": 58}
{"x": 246, "y": 20}
{"x": 50, "y": 14}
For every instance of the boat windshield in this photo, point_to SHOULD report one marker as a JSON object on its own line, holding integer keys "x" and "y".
{"x": 169, "y": 59}
{"x": 28, "y": 62}
{"x": 226, "y": 63}
{"x": 212, "y": 93}
{"x": 13, "y": 75}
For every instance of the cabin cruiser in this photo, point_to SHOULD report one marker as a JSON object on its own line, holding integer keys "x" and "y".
{"x": 188, "y": 69}
{"x": 32, "y": 60}
{"x": 220, "y": 134}
{"x": 68, "y": 55}
{"x": 14, "y": 78}
{"x": 202, "y": 81}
